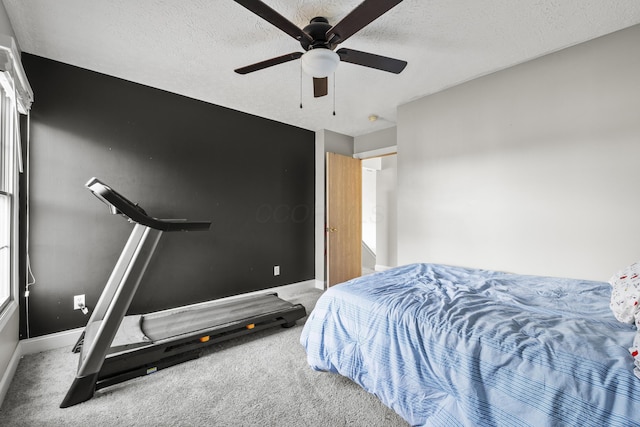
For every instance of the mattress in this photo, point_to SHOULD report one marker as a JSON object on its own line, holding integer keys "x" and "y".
{"x": 453, "y": 346}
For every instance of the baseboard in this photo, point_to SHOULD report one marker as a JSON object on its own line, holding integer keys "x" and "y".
{"x": 294, "y": 287}
{"x": 5, "y": 382}
{"x": 379, "y": 267}
{"x": 32, "y": 346}
{"x": 50, "y": 342}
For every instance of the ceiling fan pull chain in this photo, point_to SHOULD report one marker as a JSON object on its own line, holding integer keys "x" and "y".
{"x": 300, "y": 85}
{"x": 334, "y": 93}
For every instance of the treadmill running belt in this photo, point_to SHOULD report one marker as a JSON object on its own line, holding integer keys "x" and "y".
{"x": 172, "y": 323}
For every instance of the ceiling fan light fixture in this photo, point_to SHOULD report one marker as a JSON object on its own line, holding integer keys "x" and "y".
{"x": 320, "y": 62}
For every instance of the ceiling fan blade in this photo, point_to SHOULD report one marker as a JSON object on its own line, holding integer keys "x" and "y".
{"x": 371, "y": 60}
{"x": 268, "y": 63}
{"x": 273, "y": 17}
{"x": 320, "y": 87}
{"x": 365, "y": 13}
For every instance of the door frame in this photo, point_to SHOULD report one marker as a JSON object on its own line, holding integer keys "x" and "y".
{"x": 326, "y": 141}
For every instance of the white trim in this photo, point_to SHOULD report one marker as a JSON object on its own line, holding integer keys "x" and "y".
{"x": 32, "y": 346}
{"x": 12, "y": 64}
{"x": 6, "y": 314}
{"x": 319, "y": 219}
{"x": 379, "y": 267}
{"x": 5, "y": 382}
{"x": 376, "y": 153}
{"x": 319, "y": 284}
{"x": 298, "y": 286}
{"x": 50, "y": 342}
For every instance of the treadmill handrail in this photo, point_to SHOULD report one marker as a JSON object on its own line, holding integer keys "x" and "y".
{"x": 118, "y": 204}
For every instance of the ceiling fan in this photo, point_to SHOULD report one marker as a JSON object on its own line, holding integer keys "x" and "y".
{"x": 319, "y": 40}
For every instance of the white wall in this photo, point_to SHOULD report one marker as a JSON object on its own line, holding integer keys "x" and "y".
{"x": 375, "y": 140}
{"x": 370, "y": 168}
{"x": 386, "y": 213}
{"x": 5, "y": 25}
{"x": 533, "y": 169}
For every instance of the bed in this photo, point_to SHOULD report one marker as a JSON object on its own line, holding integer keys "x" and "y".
{"x": 453, "y": 346}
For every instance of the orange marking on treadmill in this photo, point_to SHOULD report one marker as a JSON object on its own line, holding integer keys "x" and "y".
{"x": 251, "y": 325}
{"x": 204, "y": 339}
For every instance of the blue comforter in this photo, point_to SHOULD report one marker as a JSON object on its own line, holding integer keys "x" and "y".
{"x": 451, "y": 346}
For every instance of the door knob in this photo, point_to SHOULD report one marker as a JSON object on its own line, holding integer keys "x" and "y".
{"x": 332, "y": 229}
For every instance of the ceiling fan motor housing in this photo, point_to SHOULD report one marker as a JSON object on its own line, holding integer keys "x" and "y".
{"x": 317, "y": 29}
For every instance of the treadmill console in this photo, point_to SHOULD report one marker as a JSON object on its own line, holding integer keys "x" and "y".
{"x": 118, "y": 204}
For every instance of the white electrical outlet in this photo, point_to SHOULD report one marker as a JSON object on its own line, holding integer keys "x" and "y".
{"x": 78, "y": 302}
{"x": 276, "y": 270}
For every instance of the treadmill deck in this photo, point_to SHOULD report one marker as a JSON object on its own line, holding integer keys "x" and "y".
{"x": 163, "y": 325}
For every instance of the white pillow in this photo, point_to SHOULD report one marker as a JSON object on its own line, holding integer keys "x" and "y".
{"x": 625, "y": 295}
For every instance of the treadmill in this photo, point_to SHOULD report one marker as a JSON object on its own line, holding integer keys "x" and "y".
{"x": 115, "y": 348}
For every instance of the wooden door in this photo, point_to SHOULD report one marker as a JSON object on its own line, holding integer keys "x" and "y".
{"x": 344, "y": 218}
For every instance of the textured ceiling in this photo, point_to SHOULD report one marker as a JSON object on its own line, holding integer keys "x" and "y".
{"x": 191, "y": 47}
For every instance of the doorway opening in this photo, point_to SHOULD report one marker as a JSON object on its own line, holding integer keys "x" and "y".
{"x": 379, "y": 201}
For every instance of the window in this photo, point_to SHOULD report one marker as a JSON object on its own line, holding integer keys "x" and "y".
{"x": 5, "y": 248}
{"x": 8, "y": 180}
{"x": 15, "y": 98}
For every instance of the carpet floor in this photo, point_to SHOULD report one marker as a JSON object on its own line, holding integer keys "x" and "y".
{"x": 260, "y": 379}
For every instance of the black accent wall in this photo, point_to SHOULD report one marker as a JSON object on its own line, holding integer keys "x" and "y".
{"x": 178, "y": 158}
